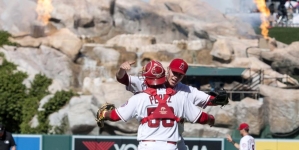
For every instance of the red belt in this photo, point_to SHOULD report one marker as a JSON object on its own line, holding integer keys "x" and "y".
{"x": 170, "y": 142}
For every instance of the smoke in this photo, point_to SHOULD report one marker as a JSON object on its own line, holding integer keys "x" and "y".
{"x": 241, "y": 9}
{"x": 232, "y": 6}
{"x": 16, "y": 16}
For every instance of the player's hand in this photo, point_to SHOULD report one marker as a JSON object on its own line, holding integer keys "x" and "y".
{"x": 229, "y": 138}
{"x": 127, "y": 65}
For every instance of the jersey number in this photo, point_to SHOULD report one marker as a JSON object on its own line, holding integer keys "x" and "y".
{"x": 156, "y": 122}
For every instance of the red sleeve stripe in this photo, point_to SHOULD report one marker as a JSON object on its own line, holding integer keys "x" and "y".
{"x": 114, "y": 116}
{"x": 120, "y": 116}
{"x": 208, "y": 102}
{"x": 203, "y": 119}
{"x": 199, "y": 114}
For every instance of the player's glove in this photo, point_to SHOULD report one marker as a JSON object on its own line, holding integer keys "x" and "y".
{"x": 100, "y": 118}
{"x": 221, "y": 97}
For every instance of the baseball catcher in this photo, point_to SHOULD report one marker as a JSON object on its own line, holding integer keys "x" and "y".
{"x": 159, "y": 111}
{"x": 100, "y": 118}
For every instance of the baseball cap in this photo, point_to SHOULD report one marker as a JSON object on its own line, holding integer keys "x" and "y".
{"x": 154, "y": 73}
{"x": 243, "y": 126}
{"x": 178, "y": 65}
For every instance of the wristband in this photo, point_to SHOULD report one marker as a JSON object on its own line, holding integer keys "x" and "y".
{"x": 233, "y": 142}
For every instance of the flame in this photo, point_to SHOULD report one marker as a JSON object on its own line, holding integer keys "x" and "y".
{"x": 265, "y": 13}
{"x": 44, "y": 9}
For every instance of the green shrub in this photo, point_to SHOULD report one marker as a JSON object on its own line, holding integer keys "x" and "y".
{"x": 13, "y": 92}
{"x": 18, "y": 104}
{"x": 4, "y": 39}
{"x": 38, "y": 90}
{"x": 54, "y": 104}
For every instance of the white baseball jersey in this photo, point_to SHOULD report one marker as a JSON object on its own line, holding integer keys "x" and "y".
{"x": 142, "y": 105}
{"x": 247, "y": 143}
{"x": 199, "y": 98}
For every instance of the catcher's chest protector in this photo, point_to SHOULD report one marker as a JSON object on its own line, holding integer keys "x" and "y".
{"x": 163, "y": 111}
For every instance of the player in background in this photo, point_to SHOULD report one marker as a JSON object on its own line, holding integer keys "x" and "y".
{"x": 159, "y": 110}
{"x": 175, "y": 73}
{"x": 247, "y": 142}
{"x": 7, "y": 142}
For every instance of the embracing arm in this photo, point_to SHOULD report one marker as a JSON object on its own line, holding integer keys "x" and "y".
{"x": 195, "y": 115}
{"x": 206, "y": 119}
{"x": 122, "y": 75}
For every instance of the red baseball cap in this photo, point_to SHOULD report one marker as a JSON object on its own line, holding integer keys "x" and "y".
{"x": 178, "y": 65}
{"x": 243, "y": 126}
{"x": 154, "y": 73}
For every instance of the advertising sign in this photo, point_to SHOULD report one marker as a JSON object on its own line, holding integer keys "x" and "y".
{"x": 277, "y": 144}
{"x": 104, "y": 142}
{"x": 28, "y": 142}
{"x": 204, "y": 143}
{"x": 130, "y": 143}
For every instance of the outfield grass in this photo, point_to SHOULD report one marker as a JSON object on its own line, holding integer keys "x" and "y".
{"x": 284, "y": 34}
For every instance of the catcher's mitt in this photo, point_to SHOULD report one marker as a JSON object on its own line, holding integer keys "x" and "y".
{"x": 221, "y": 97}
{"x": 100, "y": 118}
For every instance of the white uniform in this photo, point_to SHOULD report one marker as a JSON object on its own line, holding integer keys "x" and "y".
{"x": 247, "y": 143}
{"x": 142, "y": 104}
{"x": 199, "y": 98}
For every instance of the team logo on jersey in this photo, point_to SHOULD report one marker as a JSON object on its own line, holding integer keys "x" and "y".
{"x": 182, "y": 66}
{"x": 163, "y": 111}
{"x": 157, "y": 71}
{"x": 244, "y": 145}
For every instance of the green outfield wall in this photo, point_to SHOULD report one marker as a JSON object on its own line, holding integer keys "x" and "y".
{"x": 79, "y": 142}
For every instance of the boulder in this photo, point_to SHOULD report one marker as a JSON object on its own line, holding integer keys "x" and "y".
{"x": 251, "y": 111}
{"x": 222, "y": 50}
{"x": 81, "y": 114}
{"x": 280, "y": 106}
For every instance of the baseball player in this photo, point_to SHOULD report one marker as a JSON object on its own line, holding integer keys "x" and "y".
{"x": 159, "y": 110}
{"x": 175, "y": 73}
{"x": 247, "y": 142}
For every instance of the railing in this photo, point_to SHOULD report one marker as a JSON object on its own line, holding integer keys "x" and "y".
{"x": 251, "y": 83}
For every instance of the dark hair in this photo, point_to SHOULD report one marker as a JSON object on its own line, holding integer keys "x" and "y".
{"x": 247, "y": 130}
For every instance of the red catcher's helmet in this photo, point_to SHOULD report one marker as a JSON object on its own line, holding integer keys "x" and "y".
{"x": 154, "y": 73}
{"x": 178, "y": 65}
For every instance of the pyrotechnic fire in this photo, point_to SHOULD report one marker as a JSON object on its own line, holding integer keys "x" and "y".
{"x": 265, "y": 13}
{"x": 44, "y": 9}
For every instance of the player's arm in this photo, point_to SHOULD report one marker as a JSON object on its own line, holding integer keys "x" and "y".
{"x": 203, "y": 100}
{"x": 121, "y": 75}
{"x": 199, "y": 98}
{"x": 195, "y": 115}
{"x": 229, "y": 139}
{"x": 125, "y": 112}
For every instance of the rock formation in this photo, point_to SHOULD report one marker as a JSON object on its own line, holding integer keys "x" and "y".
{"x": 85, "y": 41}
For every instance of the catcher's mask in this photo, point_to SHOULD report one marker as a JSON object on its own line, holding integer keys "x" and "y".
{"x": 154, "y": 73}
